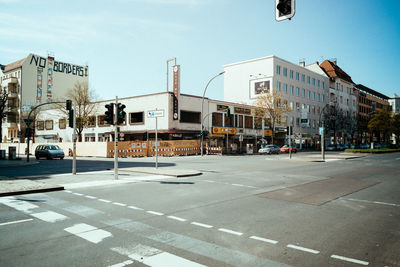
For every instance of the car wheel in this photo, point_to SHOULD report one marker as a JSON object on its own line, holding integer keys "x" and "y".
{"x": 61, "y": 158}
{"x": 49, "y": 157}
{"x": 37, "y": 157}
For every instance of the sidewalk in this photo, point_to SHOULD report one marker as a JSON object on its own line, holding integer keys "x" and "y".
{"x": 317, "y": 156}
{"x": 34, "y": 184}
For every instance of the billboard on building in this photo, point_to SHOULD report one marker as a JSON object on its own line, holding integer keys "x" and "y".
{"x": 259, "y": 87}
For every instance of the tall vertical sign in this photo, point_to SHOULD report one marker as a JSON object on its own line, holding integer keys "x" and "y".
{"x": 50, "y": 65}
{"x": 176, "y": 91}
{"x": 39, "y": 85}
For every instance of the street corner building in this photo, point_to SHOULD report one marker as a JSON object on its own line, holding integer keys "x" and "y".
{"x": 31, "y": 81}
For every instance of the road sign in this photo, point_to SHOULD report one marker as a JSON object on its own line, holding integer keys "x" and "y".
{"x": 321, "y": 130}
{"x": 155, "y": 113}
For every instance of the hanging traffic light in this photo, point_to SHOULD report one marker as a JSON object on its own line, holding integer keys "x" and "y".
{"x": 71, "y": 118}
{"x": 68, "y": 104}
{"x": 109, "y": 113}
{"x": 228, "y": 112}
{"x": 284, "y": 9}
{"x": 121, "y": 114}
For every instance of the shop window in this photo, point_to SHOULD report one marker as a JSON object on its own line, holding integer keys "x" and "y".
{"x": 49, "y": 125}
{"x": 229, "y": 121}
{"x": 239, "y": 121}
{"x": 248, "y": 122}
{"x": 190, "y": 117}
{"x": 92, "y": 121}
{"x": 136, "y": 117}
{"x": 216, "y": 119}
{"x": 62, "y": 123}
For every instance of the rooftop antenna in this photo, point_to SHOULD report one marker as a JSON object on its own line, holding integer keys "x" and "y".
{"x": 50, "y": 53}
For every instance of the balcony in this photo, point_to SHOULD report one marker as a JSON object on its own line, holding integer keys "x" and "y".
{"x": 10, "y": 80}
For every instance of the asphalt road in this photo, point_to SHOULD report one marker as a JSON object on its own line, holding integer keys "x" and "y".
{"x": 243, "y": 211}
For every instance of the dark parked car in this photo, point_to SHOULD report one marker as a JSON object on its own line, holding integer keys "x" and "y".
{"x": 364, "y": 146}
{"x": 377, "y": 146}
{"x": 331, "y": 147}
{"x": 49, "y": 152}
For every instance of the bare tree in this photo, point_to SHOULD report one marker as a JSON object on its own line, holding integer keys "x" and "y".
{"x": 3, "y": 103}
{"x": 271, "y": 107}
{"x": 84, "y": 99}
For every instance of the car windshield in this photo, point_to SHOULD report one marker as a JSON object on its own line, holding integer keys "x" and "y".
{"x": 54, "y": 147}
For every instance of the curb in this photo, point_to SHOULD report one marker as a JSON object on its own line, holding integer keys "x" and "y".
{"x": 40, "y": 190}
{"x": 164, "y": 174}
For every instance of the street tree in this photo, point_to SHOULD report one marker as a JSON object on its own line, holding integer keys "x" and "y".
{"x": 334, "y": 120}
{"x": 396, "y": 127}
{"x": 3, "y": 103}
{"x": 380, "y": 125}
{"x": 272, "y": 107}
{"x": 83, "y": 98}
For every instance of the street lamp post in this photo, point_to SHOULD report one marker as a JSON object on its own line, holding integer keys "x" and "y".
{"x": 323, "y": 133}
{"x": 201, "y": 115}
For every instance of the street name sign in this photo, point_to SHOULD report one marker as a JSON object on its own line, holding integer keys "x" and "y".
{"x": 155, "y": 113}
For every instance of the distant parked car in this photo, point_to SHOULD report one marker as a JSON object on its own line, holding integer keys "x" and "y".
{"x": 269, "y": 149}
{"x": 331, "y": 147}
{"x": 342, "y": 146}
{"x": 49, "y": 152}
{"x": 364, "y": 146}
{"x": 285, "y": 149}
{"x": 352, "y": 146}
{"x": 377, "y": 146}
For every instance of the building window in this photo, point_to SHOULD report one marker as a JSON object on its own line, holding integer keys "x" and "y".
{"x": 40, "y": 125}
{"x": 258, "y": 123}
{"x": 229, "y": 121}
{"x": 278, "y": 69}
{"x": 92, "y": 121}
{"x": 297, "y": 121}
{"x": 190, "y": 117}
{"x": 285, "y": 72}
{"x": 137, "y": 117}
{"x": 308, "y": 94}
{"x": 297, "y": 106}
{"x": 297, "y": 91}
{"x": 313, "y": 95}
{"x": 318, "y": 83}
{"x": 102, "y": 120}
{"x": 48, "y": 124}
{"x": 323, "y": 85}
{"x": 62, "y": 123}
{"x": 248, "y": 122}
{"x": 216, "y": 119}
{"x": 303, "y": 93}
{"x": 297, "y": 76}
{"x": 292, "y": 89}
{"x": 291, "y": 74}
{"x": 319, "y": 97}
{"x": 285, "y": 88}
{"x": 239, "y": 121}
{"x": 303, "y": 78}
{"x": 313, "y": 81}
{"x": 278, "y": 86}
{"x": 308, "y": 79}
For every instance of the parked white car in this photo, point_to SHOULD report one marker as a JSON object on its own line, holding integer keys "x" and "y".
{"x": 269, "y": 149}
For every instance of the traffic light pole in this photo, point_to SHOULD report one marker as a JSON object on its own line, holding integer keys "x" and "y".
{"x": 323, "y": 143}
{"x": 116, "y": 140}
{"x": 74, "y": 143}
{"x": 290, "y": 142}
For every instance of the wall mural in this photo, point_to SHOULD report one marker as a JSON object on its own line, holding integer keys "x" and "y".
{"x": 59, "y": 66}
{"x": 50, "y": 64}
{"x": 39, "y": 85}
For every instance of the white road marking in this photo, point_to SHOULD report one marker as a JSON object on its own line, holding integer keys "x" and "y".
{"x": 303, "y": 249}
{"x": 177, "y": 218}
{"x": 155, "y": 257}
{"x": 88, "y": 232}
{"x": 238, "y": 185}
{"x": 373, "y": 202}
{"x": 155, "y": 212}
{"x": 209, "y": 181}
{"x": 264, "y": 239}
{"x": 67, "y": 191}
{"x": 122, "y": 264}
{"x": 349, "y": 259}
{"x": 201, "y": 225}
{"x": 104, "y": 200}
{"x": 229, "y": 231}
{"x": 119, "y": 204}
{"x": 18, "y": 204}
{"x": 95, "y": 183}
{"x": 249, "y": 186}
{"x": 134, "y": 208}
{"x": 91, "y": 197}
{"x": 78, "y": 194}
{"x": 397, "y": 158}
{"x": 49, "y": 216}
{"x": 20, "y": 221}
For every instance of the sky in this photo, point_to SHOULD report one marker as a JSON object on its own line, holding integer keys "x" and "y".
{"x": 126, "y": 43}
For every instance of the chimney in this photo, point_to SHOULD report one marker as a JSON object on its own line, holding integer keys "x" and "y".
{"x": 316, "y": 62}
{"x": 302, "y": 63}
{"x": 334, "y": 60}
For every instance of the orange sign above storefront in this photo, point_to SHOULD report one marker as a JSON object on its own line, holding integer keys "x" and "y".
{"x": 223, "y": 130}
{"x": 268, "y": 132}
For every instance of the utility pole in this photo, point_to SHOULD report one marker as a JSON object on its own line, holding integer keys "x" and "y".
{"x": 116, "y": 139}
{"x": 74, "y": 136}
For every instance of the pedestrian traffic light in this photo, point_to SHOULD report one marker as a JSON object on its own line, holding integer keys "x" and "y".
{"x": 228, "y": 112}
{"x": 68, "y": 104}
{"x": 284, "y": 9}
{"x": 71, "y": 118}
{"x": 121, "y": 114}
{"x": 109, "y": 113}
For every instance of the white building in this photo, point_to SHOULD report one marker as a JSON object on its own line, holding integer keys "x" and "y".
{"x": 32, "y": 81}
{"x": 303, "y": 89}
{"x": 395, "y": 103}
{"x": 51, "y": 125}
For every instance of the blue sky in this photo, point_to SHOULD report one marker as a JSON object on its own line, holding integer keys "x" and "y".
{"x": 127, "y": 42}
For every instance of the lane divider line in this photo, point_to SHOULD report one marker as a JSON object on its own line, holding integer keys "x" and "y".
{"x": 104, "y": 200}
{"x": 134, "y": 208}
{"x": 91, "y": 197}
{"x": 230, "y": 231}
{"x": 303, "y": 249}
{"x": 155, "y": 212}
{"x": 119, "y": 204}
{"x": 264, "y": 239}
{"x": 13, "y": 222}
{"x": 349, "y": 259}
{"x": 177, "y": 218}
{"x": 202, "y": 225}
